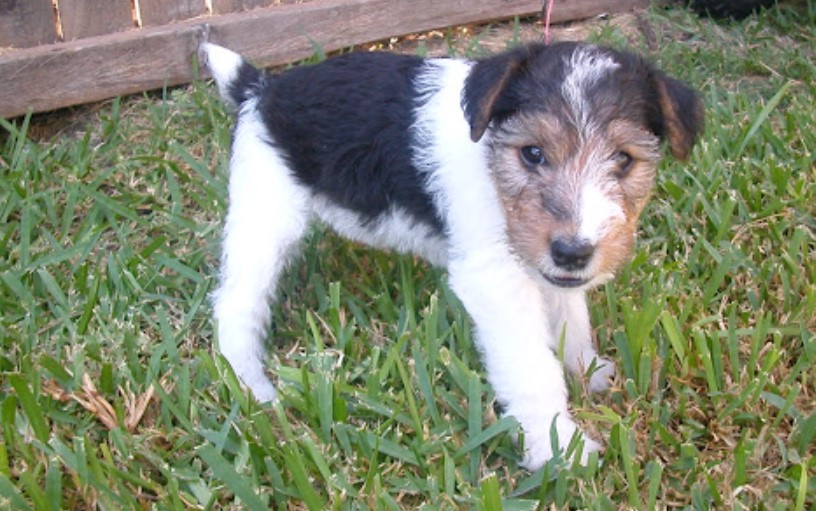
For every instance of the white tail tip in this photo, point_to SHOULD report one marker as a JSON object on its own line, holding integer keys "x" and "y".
{"x": 223, "y": 64}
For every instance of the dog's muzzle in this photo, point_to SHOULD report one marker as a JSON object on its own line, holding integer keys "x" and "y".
{"x": 569, "y": 255}
{"x": 564, "y": 281}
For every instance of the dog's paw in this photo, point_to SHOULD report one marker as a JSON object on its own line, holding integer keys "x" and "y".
{"x": 264, "y": 391}
{"x": 258, "y": 383}
{"x": 250, "y": 371}
{"x": 538, "y": 443}
{"x": 602, "y": 374}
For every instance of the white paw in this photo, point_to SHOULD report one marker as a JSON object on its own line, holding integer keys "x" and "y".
{"x": 251, "y": 374}
{"x": 263, "y": 390}
{"x": 602, "y": 375}
{"x": 538, "y": 445}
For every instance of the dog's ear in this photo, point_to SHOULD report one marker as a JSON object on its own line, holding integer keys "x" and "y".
{"x": 484, "y": 98}
{"x": 681, "y": 115}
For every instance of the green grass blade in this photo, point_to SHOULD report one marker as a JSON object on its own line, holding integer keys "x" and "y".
{"x": 294, "y": 463}
{"x": 505, "y": 425}
{"x": 226, "y": 473}
{"x": 491, "y": 494}
{"x": 802, "y": 490}
{"x": 763, "y": 116}
{"x": 10, "y": 494}
{"x": 31, "y": 407}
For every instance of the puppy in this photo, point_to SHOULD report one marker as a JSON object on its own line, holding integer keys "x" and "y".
{"x": 522, "y": 174}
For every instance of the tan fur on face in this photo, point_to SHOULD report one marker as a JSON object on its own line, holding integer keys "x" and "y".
{"x": 543, "y": 203}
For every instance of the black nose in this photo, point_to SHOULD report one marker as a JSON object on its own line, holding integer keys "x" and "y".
{"x": 571, "y": 254}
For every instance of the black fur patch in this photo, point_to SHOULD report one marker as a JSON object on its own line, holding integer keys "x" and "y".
{"x": 249, "y": 82}
{"x": 345, "y": 127}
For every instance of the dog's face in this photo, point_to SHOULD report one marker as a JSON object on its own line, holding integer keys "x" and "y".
{"x": 573, "y": 133}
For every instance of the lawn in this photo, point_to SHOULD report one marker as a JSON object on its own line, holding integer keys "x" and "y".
{"x": 111, "y": 397}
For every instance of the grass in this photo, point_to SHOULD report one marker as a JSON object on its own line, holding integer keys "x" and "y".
{"x": 111, "y": 398}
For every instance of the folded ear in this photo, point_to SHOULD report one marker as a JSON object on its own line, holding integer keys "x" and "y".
{"x": 681, "y": 116}
{"x": 484, "y": 98}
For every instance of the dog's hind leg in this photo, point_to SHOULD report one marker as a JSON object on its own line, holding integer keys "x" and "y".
{"x": 267, "y": 217}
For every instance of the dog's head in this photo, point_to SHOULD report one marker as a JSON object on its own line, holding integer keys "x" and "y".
{"x": 574, "y": 133}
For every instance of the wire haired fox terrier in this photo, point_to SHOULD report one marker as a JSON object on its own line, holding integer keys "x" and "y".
{"x": 522, "y": 174}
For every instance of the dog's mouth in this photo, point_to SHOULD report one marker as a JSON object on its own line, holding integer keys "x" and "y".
{"x": 564, "y": 281}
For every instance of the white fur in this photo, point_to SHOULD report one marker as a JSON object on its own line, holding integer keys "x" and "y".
{"x": 597, "y": 211}
{"x": 397, "y": 230}
{"x": 268, "y": 215}
{"x": 588, "y": 65}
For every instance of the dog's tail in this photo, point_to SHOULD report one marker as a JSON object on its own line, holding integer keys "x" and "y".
{"x": 236, "y": 78}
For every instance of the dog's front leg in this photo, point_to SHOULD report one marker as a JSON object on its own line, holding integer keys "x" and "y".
{"x": 569, "y": 320}
{"x": 513, "y": 336}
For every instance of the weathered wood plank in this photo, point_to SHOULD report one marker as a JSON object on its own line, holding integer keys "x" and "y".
{"x": 287, "y": 32}
{"x": 568, "y": 10}
{"x": 86, "y": 18}
{"x": 27, "y": 23}
{"x": 161, "y": 12}
{"x": 227, "y": 6}
{"x": 95, "y": 68}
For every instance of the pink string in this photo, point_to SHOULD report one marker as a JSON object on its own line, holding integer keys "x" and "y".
{"x": 548, "y": 13}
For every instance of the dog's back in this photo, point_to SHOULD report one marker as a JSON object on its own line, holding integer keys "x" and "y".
{"x": 344, "y": 126}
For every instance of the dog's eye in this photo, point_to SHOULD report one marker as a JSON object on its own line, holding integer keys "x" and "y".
{"x": 532, "y": 156}
{"x": 623, "y": 163}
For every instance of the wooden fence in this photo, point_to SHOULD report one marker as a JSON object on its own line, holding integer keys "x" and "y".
{"x": 56, "y": 53}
